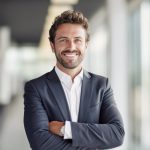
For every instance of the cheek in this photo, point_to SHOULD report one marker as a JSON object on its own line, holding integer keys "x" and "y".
{"x": 58, "y": 49}
{"x": 82, "y": 48}
{"x": 82, "y": 45}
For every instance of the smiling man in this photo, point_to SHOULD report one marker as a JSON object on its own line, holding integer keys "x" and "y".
{"x": 69, "y": 47}
{"x": 69, "y": 108}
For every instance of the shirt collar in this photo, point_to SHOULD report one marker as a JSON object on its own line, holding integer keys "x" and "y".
{"x": 66, "y": 79}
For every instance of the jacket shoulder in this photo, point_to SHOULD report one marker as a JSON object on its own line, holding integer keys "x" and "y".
{"x": 98, "y": 77}
{"x": 39, "y": 80}
{"x": 99, "y": 81}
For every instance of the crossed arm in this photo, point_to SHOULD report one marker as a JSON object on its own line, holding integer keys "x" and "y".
{"x": 44, "y": 135}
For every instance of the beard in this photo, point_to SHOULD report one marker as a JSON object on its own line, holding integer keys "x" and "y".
{"x": 69, "y": 63}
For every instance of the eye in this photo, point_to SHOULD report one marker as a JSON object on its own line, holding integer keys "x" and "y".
{"x": 62, "y": 40}
{"x": 78, "y": 40}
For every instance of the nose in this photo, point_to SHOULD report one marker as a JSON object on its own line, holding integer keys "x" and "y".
{"x": 71, "y": 45}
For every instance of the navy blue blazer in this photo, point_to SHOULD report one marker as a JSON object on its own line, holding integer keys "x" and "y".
{"x": 99, "y": 123}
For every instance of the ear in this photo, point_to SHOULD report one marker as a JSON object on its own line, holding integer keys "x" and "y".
{"x": 52, "y": 46}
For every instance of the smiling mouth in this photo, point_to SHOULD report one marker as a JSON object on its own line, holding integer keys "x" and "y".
{"x": 70, "y": 54}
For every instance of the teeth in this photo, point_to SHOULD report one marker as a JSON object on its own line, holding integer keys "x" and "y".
{"x": 70, "y": 55}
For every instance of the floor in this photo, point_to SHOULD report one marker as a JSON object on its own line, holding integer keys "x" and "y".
{"x": 12, "y": 134}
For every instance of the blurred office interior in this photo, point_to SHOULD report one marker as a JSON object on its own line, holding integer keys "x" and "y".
{"x": 119, "y": 48}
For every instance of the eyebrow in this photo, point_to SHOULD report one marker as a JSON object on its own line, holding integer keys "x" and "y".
{"x": 64, "y": 37}
{"x": 78, "y": 37}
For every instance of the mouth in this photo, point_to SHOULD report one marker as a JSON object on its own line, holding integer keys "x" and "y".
{"x": 70, "y": 54}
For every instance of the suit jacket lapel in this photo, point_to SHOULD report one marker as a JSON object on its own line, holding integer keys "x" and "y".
{"x": 57, "y": 89}
{"x": 85, "y": 97}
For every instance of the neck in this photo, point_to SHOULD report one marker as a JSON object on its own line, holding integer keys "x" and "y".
{"x": 71, "y": 72}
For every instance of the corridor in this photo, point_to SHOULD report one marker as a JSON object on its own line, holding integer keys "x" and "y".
{"x": 119, "y": 49}
{"x": 12, "y": 135}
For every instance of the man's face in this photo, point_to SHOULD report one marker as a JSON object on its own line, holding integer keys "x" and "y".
{"x": 69, "y": 45}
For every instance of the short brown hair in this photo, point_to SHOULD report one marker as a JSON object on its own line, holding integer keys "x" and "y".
{"x": 69, "y": 16}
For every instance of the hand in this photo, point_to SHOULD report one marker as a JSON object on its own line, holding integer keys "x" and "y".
{"x": 55, "y": 127}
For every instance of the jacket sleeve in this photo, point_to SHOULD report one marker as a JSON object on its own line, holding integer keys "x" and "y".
{"x": 36, "y": 123}
{"x": 106, "y": 134}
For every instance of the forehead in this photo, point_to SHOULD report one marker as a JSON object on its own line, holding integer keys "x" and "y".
{"x": 68, "y": 29}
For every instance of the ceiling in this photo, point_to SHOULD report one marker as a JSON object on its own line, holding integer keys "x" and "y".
{"x": 26, "y": 18}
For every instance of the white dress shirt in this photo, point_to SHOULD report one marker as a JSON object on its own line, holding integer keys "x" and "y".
{"x": 72, "y": 91}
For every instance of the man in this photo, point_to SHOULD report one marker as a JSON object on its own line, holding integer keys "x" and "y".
{"x": 69, "y": 108}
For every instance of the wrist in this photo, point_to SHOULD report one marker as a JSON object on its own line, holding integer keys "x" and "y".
{"x": 62, "y": 131}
